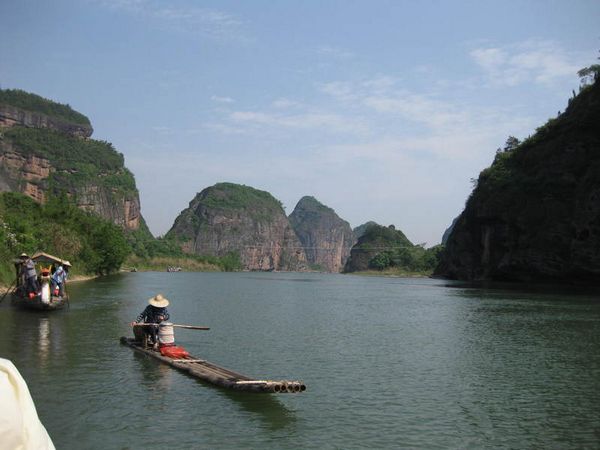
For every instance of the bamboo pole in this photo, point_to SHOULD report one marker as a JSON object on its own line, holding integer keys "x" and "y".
{"x": 189, "y": 327}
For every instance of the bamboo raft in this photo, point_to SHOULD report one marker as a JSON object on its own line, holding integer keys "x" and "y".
{"x": 219, "y": 376}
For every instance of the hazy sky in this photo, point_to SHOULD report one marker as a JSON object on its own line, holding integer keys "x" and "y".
{"x": 382, "y": 110}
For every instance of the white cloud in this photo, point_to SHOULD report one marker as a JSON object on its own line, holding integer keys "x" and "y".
{"x": 533, "y": 61}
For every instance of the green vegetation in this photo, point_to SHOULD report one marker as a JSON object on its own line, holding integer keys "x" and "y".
{"x": 93, "y": 245}
{"x": 385, "y": 249}
{"x": 37, "y": 104}
{"x": 408, "y": 260}
{"x": 309, "y": 203}
{"x": 521, "y": 172}
{"x": 261, "y": 205}
{"x": 77, "y": 161}
{"x": 359, "y": 231}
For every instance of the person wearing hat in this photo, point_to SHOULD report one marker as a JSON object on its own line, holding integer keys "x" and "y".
{"x": 155, "y": 313}
{"x": 29, "y": 274}
{"x": 59, "y": 277}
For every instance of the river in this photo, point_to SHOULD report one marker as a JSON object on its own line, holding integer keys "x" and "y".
{"x": 388, "y": 363}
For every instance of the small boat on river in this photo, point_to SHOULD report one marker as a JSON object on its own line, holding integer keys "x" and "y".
{"x": 211, "y": 373}
{"x": 46, "y": 298}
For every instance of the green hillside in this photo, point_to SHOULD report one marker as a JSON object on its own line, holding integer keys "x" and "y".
{"x": 35, "y": 103}
{"x": 77, "y": 161}
{"x": 534, "y": 214}
{"x": 91, "y": 244}
{"x": 383, "y": 248}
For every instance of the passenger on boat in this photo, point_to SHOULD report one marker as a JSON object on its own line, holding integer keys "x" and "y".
{"x": 155, "y": 313}
{"x": 59, "y": 278}
{"x": 29, "y": 274}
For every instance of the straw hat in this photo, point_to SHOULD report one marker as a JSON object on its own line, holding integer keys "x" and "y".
{"x": 159, "y": 301}
{"x": 24, "y": 255}
{"x": 66, "y": 263}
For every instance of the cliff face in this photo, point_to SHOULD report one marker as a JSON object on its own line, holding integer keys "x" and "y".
{"x": 49, "y": 152}
{"x": 535, "y": 213}
{"x": 326, "y": 238}
{"x": 228, "y": 217}
{"x": 11, "y": 116}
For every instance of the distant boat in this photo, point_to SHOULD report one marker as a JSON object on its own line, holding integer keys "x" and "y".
{"x": 45, "y": 299}
{"x": 173, "y": 269}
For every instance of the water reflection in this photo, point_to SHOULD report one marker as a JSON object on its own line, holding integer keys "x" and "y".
{"x": 274, "y": 414}
{"x": 158, "y": 378}
{"x": 44, "y": 340}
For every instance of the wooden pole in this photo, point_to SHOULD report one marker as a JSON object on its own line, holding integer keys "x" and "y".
{"x": 189, "y": 327}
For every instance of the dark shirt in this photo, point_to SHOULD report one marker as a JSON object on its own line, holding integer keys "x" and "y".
{"x": 151, "y": 313}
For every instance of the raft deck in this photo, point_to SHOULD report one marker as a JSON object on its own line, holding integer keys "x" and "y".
{"x": 211, "y": 373}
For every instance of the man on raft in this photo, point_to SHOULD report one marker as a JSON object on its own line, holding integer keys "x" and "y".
{"x": 155, "y": 313}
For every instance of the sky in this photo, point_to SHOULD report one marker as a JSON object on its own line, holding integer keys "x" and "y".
{"x": 382, "y": 110}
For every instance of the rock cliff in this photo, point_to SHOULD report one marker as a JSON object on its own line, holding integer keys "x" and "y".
{"x": 535, "y": 213}
{"x": 231, "y": 218}
{"x": 48, "y": 151}
{"x": 326, "y": 238}
{"x": 11, "y": 116}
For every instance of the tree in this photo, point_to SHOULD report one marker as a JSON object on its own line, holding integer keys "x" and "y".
{"x": 380, "y": 261}
{"x": 589, "y": 75}
{"x": 511, "y": 143}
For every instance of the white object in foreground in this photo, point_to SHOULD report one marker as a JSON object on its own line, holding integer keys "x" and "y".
{"x": 20, "y": 427}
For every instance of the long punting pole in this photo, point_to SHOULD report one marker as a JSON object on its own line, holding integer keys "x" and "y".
{"x": 190, "y": 327}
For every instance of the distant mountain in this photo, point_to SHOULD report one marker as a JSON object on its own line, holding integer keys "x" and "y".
{"x": 45, "y": 150}
{"x": 375, "y": 240}
{"x": 326, "y": 238}
{"x": 232, "y": 218}
{"x": 535, "y": 212}
{"x": 360, "y": 230}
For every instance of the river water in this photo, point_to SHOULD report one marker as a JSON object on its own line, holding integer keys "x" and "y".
{"x": 388, "y": 363}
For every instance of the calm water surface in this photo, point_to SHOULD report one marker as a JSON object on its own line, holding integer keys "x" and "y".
{"x": 389, "y": 363}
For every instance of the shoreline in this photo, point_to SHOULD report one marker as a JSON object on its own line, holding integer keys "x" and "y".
{"x": 389, "y": 274}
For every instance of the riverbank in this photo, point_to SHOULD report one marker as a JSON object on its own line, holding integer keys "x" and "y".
{"x": 392, "y": 272}
{"x": 160, "y": 264}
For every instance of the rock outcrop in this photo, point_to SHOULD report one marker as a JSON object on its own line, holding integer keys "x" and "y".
{"x": 49, "y": 152}
{"x": 231, "y": 218}
{"x": 326, "y": 238}
{"x": 535, "y": 213}
{"x": 11, "y": 116}
{"x": 360, "y": 230}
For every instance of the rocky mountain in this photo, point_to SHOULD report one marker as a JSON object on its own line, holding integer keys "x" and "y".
{"x": 376, "y": 240}
{"x": 45, "y": 149}
{"x": 360, "y": 230}
{"x": 535, "y": 212}
{"x": 228, "y": 217}
{"x": 326, "y": 238}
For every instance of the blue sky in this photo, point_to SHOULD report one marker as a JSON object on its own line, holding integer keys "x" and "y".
{"x": 383, "y": 110}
